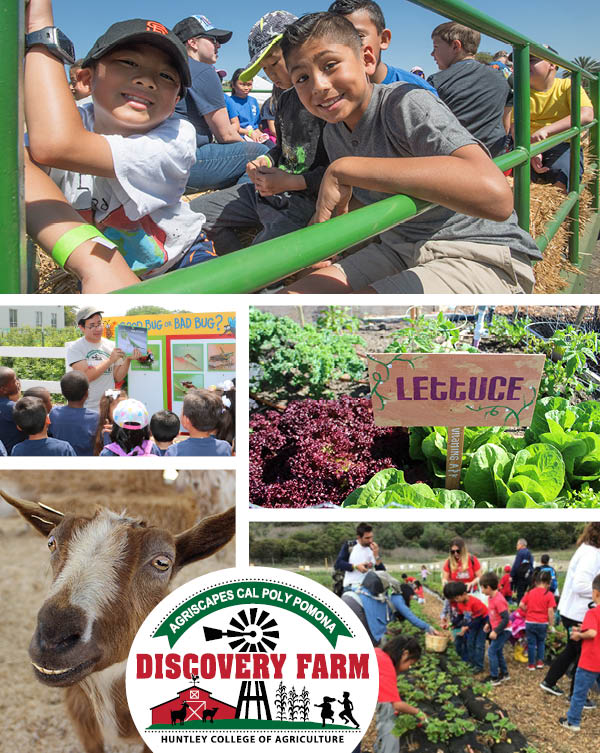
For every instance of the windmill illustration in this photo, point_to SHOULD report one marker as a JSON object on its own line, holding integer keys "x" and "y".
{"x": 249, "y": 632}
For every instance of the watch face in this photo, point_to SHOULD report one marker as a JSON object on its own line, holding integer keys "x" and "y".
{"x": 65, "y": 45}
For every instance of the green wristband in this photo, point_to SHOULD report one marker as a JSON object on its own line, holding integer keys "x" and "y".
{"x": 66, "y": 244}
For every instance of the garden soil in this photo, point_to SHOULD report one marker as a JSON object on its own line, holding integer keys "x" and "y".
{"x": 534, "y": 712}
{"x": 33, "y": 716}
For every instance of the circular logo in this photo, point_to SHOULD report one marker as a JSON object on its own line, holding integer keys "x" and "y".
{"x": 261, "y": 658}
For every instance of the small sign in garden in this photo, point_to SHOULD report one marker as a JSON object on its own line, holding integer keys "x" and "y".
{"x": 454, "y": 390}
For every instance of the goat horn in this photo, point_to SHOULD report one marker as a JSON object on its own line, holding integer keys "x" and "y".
{"x": 51, "y": 509}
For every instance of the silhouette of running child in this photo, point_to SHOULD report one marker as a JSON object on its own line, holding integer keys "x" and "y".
{"x": 346, "y": 714}
{"x": 326, "y": 709}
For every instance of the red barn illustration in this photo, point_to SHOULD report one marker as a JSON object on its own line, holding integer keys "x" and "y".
{"x": 201, "y": 706}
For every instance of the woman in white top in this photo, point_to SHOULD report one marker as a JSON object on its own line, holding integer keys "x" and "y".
{"x": 574, "y": 601}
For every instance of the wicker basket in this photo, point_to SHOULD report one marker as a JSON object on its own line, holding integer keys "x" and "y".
{"x": 437, "y": 643}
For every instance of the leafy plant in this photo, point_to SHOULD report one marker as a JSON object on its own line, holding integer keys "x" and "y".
{"x": 389, "y": 489}
{"x": 422, "y": 335}
{"x": 507, "y": 332}
{"x": 290, "y": 357}
{"x": 338, "y": 319}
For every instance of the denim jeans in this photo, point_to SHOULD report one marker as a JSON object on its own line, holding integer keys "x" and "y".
{"x": 558, "y": 159}
{"x": 584, "y": 680}
{"x": 536, "y": 640}
{"x": 476, "y": 642}
{"x": 222, "y": 165}
{"x": 496, "y": 654}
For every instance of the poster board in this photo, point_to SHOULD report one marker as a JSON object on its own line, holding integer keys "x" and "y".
{"x": 130, "y": 338}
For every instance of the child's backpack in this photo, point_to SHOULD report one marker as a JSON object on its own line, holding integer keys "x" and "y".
{"x": 337, "y": 576}
{"x": 144, "y": 449}
{"x": 549, "y": 569}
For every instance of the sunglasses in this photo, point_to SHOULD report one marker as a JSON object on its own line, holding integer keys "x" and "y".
{"x": 455, "y": 551}
{"x": 210, "y": 38}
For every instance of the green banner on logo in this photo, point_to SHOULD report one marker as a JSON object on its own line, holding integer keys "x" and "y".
{"x": 252, "y": 593}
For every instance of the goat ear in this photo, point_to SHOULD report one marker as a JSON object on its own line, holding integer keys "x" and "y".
{"x": 205, "y": 538}
{"x": 40, "y": 516}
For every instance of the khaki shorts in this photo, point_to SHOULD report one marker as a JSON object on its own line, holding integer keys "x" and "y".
{"x": 438, "y": 267}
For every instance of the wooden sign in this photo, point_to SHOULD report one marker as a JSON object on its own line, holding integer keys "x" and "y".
{"x": 454, "y": 389}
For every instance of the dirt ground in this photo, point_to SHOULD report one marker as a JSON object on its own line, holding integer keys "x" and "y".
{"x": 32, "y": 716}
{"x": 534, "y": 712}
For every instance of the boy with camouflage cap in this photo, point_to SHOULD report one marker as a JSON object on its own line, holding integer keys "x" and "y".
{"x": 286, "y": 180}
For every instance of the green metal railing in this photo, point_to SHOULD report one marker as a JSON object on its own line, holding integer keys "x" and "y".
{"x": 250, "y": 269}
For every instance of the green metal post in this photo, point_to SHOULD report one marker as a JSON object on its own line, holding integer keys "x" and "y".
{"x": 521, "y": 172}
{"x": 574, "y": 179}
{"x": 595, "y": 132}
{"x": 13, "y": 279}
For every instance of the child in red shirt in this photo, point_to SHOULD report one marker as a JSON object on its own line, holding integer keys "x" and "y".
{"x": 419, "y": 592}
{"x": 538, "y": 604}
{"x": 588, "y": 668}
{"x": 498, "y": 627}
{"x": 505, "y": 586}
{"x": 468, "y": 620}
{"x": 397, "y": 656}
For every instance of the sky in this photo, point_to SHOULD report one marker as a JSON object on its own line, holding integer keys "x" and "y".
{"x": 571, "y": 34}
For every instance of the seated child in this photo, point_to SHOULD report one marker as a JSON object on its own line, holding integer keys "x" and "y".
{"x": 243, "y": 110}
{"x": 73, "y": 422}
{"x": 108, "y": 403}
{"x": 120, "y": 163}
{"x": 32, "y": 418}
{"x": 130, "y": 434}
{"x": 419, "y": 593}
{"x": 469, "y": 617}
{"x": 473, "y": 92}
{"x": 386, "y": 140}
{"x": 550, "y": 112}
{"x": 367, "y": 18}
{"x": 10, "y": 392}
{"x": 164, "y": 427}
{"x": 588, "y": 667}
{"x": 395, "y": 657}
{"x": 286, "y": 179}
{"x": 539, "y": 605}
{"x": 498, "y": 627}
{"x": 267, "y": 120}
{"x": 44, "y": 396}
{"x": 199, "y": 417}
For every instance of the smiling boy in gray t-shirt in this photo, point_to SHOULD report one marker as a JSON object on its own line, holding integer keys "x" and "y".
{"x": 398, "y": 139}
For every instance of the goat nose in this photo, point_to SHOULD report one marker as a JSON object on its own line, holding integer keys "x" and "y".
{"x": 59, "y": 628}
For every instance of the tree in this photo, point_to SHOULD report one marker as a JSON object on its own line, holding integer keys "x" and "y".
{"x": 588, "y": 64}
{"x": 70, "y": 312}
{"x": 484, "y": 57}
{"x": 137, "y": 310}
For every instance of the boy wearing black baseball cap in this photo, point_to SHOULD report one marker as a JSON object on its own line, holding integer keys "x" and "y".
{"x": 119, "y": 163}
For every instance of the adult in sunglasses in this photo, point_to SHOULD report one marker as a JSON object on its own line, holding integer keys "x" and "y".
{"x": 221, "y": 152}
{"x": 461, "y": 566}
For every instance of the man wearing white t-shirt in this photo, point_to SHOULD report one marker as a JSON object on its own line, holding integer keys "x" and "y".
{"x": 358, "y": 559}
{"x": 98, "y": 358}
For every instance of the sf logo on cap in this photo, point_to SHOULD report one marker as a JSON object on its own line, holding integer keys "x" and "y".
{"x": 155, "y": 26}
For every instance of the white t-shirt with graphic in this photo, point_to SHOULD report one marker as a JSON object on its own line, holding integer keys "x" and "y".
{"x": 140, "y": 210}
{"x": 93, "y": 354}
{"x": 359, "y": 555}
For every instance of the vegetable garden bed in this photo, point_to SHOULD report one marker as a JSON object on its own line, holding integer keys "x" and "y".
{"x": 329, "y": 452}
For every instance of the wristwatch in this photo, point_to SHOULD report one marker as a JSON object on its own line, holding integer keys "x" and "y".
{"x": 57, "y": 43}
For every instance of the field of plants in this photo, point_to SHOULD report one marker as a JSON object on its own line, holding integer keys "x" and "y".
{"x": 313, "y": 441}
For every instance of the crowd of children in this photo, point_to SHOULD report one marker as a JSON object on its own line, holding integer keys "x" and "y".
{"x": 31, "y": 426}
{"x": 105, "y": 182}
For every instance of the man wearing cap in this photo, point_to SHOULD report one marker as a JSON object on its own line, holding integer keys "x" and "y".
{"x": 98, "y": 358}
{"x": 220, "y": 164}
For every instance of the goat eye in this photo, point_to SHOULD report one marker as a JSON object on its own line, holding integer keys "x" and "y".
{"x": 161, "y": 563}
{"x": 52, "y": 544}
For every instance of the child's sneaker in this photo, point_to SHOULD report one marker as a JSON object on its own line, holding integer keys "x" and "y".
{"x": 554, "y": 689}
{"x": 564, "y": 722}
{"x": 504, "y": 678}
{"x": 531, "y": 667}
{"x": 540, "y": 664}
{"x": 493, "y": 680}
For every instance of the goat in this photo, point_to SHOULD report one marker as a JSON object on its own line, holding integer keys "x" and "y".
{"x": 109, "y": 571}
{"x": 178, "y": 715}
{"x": 209, "y": 714}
